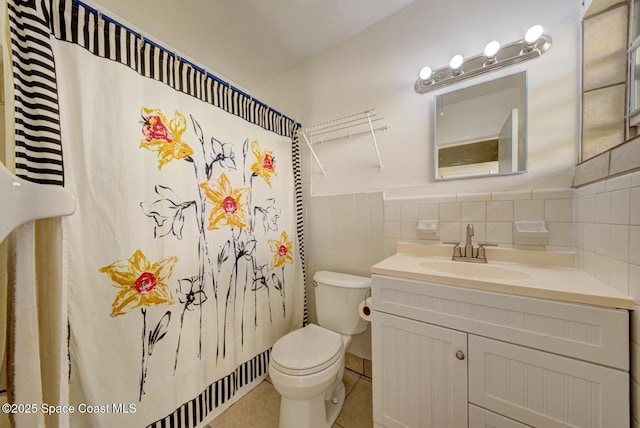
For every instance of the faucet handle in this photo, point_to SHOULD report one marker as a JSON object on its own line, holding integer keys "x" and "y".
{"x": 457, "y": 251}
{"x": 481, "y": 253}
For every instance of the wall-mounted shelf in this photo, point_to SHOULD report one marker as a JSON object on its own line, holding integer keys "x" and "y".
{"x": 24, "y": 201}
{"x": 341, "y": 128}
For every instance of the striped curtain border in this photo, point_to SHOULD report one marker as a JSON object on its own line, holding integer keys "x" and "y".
{"x": 38, "y": 147}
{"x": 73, "y": 21}
{"x": 194, "y": 411}
{"x": 297, "y": 174}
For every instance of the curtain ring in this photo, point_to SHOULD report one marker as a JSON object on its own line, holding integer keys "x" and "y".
{"x": 140, "y": 42}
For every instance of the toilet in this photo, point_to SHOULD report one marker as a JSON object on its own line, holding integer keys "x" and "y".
{"x": 307, "y": 365}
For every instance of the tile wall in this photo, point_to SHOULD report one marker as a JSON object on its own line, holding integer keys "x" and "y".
{"x": 493, "y": 215}
{"x": 343, "y": 233}
{"x": 607, "y": 220}
{"x": 349, "y": 233}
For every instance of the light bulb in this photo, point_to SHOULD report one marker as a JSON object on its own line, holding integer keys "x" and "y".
{"x": 456, "y": 62}
{"x": 491, "y": 49}
{"x": 533, "y": 34}
{"x": 425, "y": 73}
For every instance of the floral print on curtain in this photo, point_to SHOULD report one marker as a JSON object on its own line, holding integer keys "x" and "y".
{"x": 221, "y": 206}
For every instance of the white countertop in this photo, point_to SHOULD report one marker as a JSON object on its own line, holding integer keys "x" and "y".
{"x": 548, "y": 275}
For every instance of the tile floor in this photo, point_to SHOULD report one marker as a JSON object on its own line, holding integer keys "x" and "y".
{"x": 260, "y": 408}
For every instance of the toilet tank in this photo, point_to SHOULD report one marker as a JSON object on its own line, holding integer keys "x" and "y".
{"x": 337, "y": 298}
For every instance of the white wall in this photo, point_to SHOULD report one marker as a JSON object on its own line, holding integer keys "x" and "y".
{"x": 377, "y": 69}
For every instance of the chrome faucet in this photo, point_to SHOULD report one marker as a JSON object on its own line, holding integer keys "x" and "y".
{"x": 470, "y": 254}
{"x": 468, "y": 248}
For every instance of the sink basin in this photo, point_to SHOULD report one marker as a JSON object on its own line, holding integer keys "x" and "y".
{"x": 473, "y": 270}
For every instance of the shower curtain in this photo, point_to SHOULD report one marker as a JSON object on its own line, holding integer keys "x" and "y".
{"x": 183, "y": 262}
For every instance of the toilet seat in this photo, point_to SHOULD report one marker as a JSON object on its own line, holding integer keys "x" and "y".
{"x": 306, "y": 351}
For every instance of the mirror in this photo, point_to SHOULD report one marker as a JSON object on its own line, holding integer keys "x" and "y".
{"x": 481, "y": 130}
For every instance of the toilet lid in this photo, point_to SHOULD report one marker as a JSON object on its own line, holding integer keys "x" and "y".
{"x": 306, "y": 350}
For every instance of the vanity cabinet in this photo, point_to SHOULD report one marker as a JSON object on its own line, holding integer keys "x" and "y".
{"x": 452, "y": 357}
{"x": 421, "y": 372}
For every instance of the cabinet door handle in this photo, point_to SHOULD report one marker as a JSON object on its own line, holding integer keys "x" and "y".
{"x": 460, "y": 355}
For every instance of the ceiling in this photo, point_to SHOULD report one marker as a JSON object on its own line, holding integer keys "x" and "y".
{"x": 248, "y": 42}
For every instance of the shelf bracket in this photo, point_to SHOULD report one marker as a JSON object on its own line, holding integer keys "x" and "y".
{"x": 375, "y": 143}
{"x": 313, "y": 153}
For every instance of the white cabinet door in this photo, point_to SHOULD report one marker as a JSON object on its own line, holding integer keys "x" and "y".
{"x": 546, "y": 390}
{"x": 419, "y": 374}
{"x": 482, "y": 418}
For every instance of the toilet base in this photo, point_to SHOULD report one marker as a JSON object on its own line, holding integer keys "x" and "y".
{"x": 314, "y": 413}
{"x": 333, "y": 409}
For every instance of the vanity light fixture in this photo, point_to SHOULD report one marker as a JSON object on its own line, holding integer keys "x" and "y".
{"x": 425, "y": 74}
{"x": 456, "y": 63}
{"x": 490, "y": 52}
{"x": 531, "y": 37}
{"x": 494, "y": 57}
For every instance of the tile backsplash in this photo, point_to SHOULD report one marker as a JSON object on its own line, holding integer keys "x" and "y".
{"x": 350, "y": 232}
{"x": 600, "y": 222}
{"x": 492, "y": 214}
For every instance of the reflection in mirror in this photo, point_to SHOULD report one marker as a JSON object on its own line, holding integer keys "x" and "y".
{"x": 481, "y": 130}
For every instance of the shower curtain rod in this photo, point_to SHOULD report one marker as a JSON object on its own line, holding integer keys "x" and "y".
{"x": 139, "y": 35}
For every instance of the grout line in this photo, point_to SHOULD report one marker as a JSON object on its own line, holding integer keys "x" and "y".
{"x": 353, "y": 371}
{"x": 348, "y": 393}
